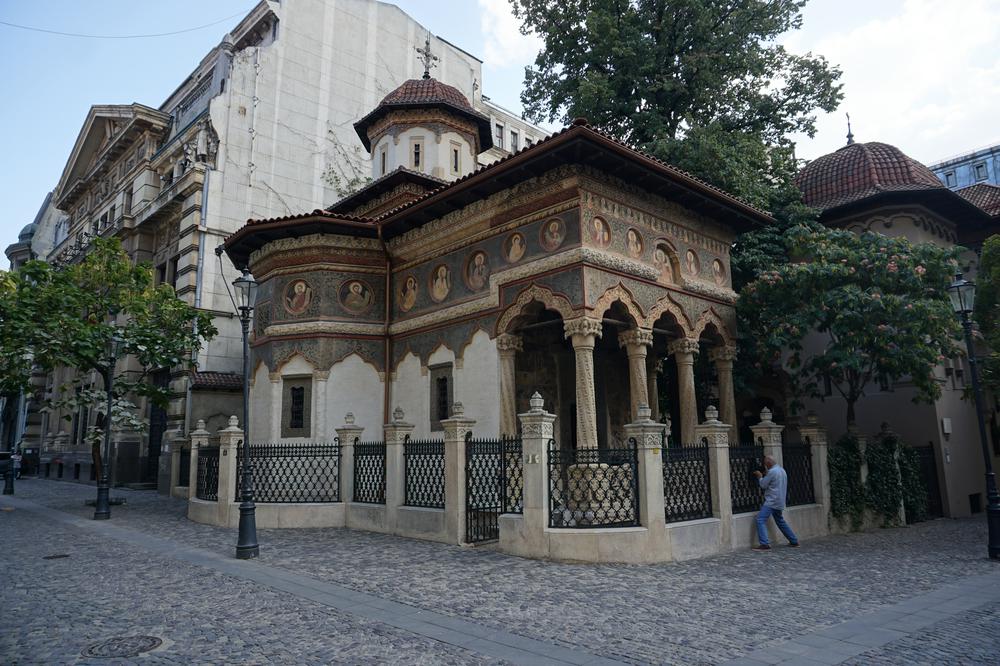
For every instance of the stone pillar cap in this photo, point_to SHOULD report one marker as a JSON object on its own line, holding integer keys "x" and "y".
{"x": 457, "y": 410}
{"x": 398, "y": 415}
{"x": 536, "y": 401}
{"x": 234, "y": 423}
{"x": 765, "y": 417}
{"x": 712, "y": 415}
{"x": 349, "y": 418}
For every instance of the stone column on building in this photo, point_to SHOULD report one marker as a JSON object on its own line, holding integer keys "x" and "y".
{"x": 723, "y": 358}
{"x": 199, "y": 438}
{"x": 397, "y": 432}
{"x": 455, "y": 430}
{"x": 230, "y": 439}
{"x": 684, "y": 351}
{"x": 815, "y": 436}
{"x": 767, "y": 433}
{"x": 507, "y": 347}
{"x": 652, "y": 386}
{"x": 648, "y": 435}
{"x": 175, "y": 446}
{"x": 716, "y": 433}
{"x": 636, "y": 342}
{"x": 583, "y": 333}
{"x": 536, "y": 433}
{"x": 347, "y": 435}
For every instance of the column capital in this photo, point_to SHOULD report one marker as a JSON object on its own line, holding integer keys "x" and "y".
{"x": 508, "y": 342}
{"x": 635, "y": 337}
{"x": 684, "y": 346}
{"x": 723, "y": 354}
{"x": 582, "y": 326}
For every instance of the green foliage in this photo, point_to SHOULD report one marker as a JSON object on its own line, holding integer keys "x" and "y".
{"x": 883, "y": 487}
{"x": 55, "y": 317}
{"x": 914, "y": 489}
{"x": 847, "y": 492}
{"x": 987, "y": 313}
{"x": 700, "y": 83}
{"x": 873, "y": 308}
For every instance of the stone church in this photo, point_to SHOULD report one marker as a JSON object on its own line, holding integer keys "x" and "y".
{"x": 576, "y": 267}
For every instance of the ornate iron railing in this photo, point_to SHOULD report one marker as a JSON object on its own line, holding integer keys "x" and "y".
{"x": 494, "y": 484}
{"x": 369, "y": 472}
{"x": 423, "y": 472}
{"x": 593, "y": 487}
{"x": 292, "y": 473}
{"x": 746, "y": 492}
{"x": 208, "y": 474}
{"x": 797, "y": 461}
{"x": 687, "y": 485}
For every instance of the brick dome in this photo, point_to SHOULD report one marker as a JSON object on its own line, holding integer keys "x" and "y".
{"x": 859, "y": 171}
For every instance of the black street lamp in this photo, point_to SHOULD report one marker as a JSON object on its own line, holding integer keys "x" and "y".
{"x": 102, "y": 507}
{"x": 963, "y": 296}
{"x": 246, "y": 545}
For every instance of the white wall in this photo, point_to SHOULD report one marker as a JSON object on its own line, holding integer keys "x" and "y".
{"x": 435, "y": 159}
{"x": 477, "y": 384}
{"x": 411, "y": 391}
{"x": 354, "y": 386}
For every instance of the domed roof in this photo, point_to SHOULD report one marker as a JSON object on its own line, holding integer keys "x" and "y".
{"x": 27, "y": 232}
{"x": 859, "y": 171}
{"x": 427, "y": 93}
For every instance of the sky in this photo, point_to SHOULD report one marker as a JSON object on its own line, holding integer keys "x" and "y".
{"x": 923, "y": 75}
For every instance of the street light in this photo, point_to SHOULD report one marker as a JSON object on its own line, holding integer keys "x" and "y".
{"x": 246, "y": 544}
{"x": 102, "y": 507}
{"x": 963, "y": 296}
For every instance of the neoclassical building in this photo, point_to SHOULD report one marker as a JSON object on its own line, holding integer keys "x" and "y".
{"x": 576, "y": 267}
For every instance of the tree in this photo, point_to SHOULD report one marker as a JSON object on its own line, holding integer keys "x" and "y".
{"x": 854, "y": 309}
{"x": 702, "y": 84}
{"x": 987, "y": 313}
{"x": 89, "y": 315}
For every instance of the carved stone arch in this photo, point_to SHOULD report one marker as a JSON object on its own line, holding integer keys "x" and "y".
{"x": 467, "y": 340}
{"x": 617, "y": 293}
{"x": 365, "y": 360}
{"x": 667, "y": 304}
{"x": 546, "y": 297}
{"x": 710, "y": 316}
{"x": 440, "y": 344}
{"x": 291, "y": 357}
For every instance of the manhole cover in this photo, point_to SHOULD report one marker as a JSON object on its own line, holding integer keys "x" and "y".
{"x": 122, "y": 646}
{"x": 55, "y": 557}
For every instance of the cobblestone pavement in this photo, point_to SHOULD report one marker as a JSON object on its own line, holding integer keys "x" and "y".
{"x": 705, "y": 611}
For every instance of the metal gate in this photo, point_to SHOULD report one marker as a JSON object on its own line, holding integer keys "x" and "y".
{"x": 929, "y": 475}
{"x": 493, "y": 485}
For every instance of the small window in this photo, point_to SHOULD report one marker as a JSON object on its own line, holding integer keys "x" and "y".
{"x": 514, "y": 141}
{"x": 295, "y": 407}
{"x": 297, "y": 417}
{"x": 498, "y": 136}
{"x": 949, "y": 179}
{"x": 980, "y": 171}
{"x": 455, "y": 160}
{"x": 382, "y": 157}
{"x": 441, "y": 394}
{"x": 416, "y": 156}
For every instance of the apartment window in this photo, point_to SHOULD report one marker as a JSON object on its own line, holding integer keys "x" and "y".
{"x": 111, "y": 213}
{"x": 383, "y": 158}
{"x": 161, "y": 273}
{"x": 514, "y": 142}
{"x": 295, "y": 407}
{"x": 980, "y": 171}
{"x": 498, "y": 136}
{"x": 416, "y": 156}
{"x": 441, "y": 394}
{"x": 949, "y": 179}
{"x": 528, "y": 141}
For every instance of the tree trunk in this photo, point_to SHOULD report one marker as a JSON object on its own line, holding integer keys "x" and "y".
{"x": 852, "y": 423}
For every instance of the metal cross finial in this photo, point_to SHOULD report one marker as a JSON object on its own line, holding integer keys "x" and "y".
{"x": 850, "y": 134}
{"x": 426, "y": 57}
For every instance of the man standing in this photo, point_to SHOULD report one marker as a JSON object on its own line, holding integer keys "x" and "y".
{"x": 775, "y": 485}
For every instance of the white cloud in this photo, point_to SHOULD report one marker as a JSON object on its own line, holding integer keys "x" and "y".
{"x": 505, "y": 45}
{"x": 924, "y": 77}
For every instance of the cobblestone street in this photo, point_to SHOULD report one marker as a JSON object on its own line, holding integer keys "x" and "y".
{"x": 922, "y": 594}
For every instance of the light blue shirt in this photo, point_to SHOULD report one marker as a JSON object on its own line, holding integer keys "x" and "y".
{"x": 775, "y": 485}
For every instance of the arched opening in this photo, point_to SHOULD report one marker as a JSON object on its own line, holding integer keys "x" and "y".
{"x": 612, "y": 388}
{"x": 662, "y": 368}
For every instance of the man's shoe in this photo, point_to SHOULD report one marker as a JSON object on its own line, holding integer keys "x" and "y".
{"x": 794, "y": 545}
{"x": 761, "y": 549}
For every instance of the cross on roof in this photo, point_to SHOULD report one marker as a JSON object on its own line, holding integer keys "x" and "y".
{"x": 426, "y": 57}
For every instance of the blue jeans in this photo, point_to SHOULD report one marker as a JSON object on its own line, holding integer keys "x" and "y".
{"x": 779, "y": 520}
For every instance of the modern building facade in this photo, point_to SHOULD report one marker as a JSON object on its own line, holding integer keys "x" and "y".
{"x": 979, "y": 166}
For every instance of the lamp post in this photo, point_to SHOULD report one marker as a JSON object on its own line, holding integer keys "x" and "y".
{"x": 963, "y": 295}
{"x": 102, "y": 507}
{"x": 246, "y": 545}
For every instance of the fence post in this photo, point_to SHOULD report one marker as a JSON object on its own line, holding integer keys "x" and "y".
{"x": 396, "y": 433}
{"x": 230, "y": 439}
{"x": 455, "y": 430}
{"x": 716, "y": 433}
{"x": 815, "y": 435}
{"x": 199, "y": 438}
{"x": 769, "y": 433}
{"x": 347, "y": 434}
{"x": 175, "y": 446}
{"x": 536, "y": 432}
{"x": 648, "y": 436}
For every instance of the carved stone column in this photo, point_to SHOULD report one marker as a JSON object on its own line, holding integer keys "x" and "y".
{"x": 723, "y": 358}
{"x": 652, "y": 387}
{"x": 684, "y": 351}
{"x": 507, "y": 347}
{"x": 584, "y": 332}
{"x": 636, "y": 341}
{"x": 347, "y": 435}
{"x": 716, "y": 433}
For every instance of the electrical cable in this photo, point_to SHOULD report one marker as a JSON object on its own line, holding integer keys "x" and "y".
{"x": 87, "y": 36}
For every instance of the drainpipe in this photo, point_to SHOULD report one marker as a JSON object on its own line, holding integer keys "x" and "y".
{"x": 387, "y": 346}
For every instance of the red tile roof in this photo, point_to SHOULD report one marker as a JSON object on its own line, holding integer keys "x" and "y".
{"x": 984, "y": 196}
{"x": 427, "y": 91}
{"x": 861, "y": 170}
{"x": 219, "y": 381}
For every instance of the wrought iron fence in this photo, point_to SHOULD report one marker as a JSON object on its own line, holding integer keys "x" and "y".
{"x": 369, "y": 472}
{"x": 292, "y": 473}
{"x": 494, "y": 484}
{"x": 423, "y": 471}
{"x": 208, "y": 474}
{"x": 746, "y": 492}
{"x": 593, "y": 487}
{"x": 797, "y": 461}
{"x": 687, "y": 485}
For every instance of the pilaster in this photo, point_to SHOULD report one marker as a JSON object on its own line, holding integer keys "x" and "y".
{"x": 815, "y": 435}
{"x": 230, "y": 439}
{"x": 536, "y": 433}
{"x": 648, "y": 435}
{"x": 455, "y": 431}
{"x": 199, "y": 438}
{"x": 397, "y": 432}
{"x": 768, "y": 434}
{"x": 347, "y": 435}
{"x": 716, "y": 433}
